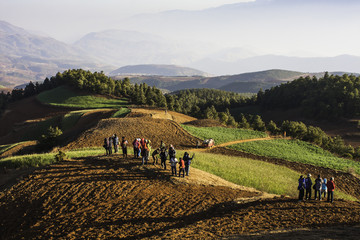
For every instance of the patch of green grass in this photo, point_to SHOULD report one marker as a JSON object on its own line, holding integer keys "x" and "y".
{"x": 297, "y": 151}
{"x": 85, "y": 152}
{"x": 222, "y": 134}
{"x": 121, "y": 113}
{"x": 64, "y": 97}
{"x": 36, "y": 160}
{"x": 24, "y": 161}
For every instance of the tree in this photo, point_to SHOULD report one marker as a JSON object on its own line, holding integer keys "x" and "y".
{"x": 243, "y": 122}
{"x": 272, "y": 128}
{"x": 258, "y": 124}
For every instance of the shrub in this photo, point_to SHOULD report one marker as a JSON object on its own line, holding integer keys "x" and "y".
{"x": 50, "y": 139}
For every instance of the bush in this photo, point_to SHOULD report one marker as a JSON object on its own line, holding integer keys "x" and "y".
{"x": 60, "y": 156}
{"x": 50, "y": 139}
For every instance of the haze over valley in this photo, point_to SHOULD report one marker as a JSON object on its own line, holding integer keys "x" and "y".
{"x": 304, "y": 36}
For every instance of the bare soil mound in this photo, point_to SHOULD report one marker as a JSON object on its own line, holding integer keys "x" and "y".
{"x": 205, "y": 123}
{"x": 162, "y": 114}
{"x": 345, "y": 182}
{"x": 113, "y": 198}
{"x": 144, "y": 127}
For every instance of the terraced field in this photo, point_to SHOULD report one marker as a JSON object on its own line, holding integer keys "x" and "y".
{"x": 110, "y": 197}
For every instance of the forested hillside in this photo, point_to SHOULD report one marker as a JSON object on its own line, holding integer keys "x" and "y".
{"x": 330, "y": 96}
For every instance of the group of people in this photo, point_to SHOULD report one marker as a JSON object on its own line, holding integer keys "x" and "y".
{"x": 113, "y": 141}
{"x": 142, "y": 149}
{"x": 321, "y": 187}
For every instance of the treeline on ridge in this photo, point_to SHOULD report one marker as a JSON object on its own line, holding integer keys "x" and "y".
{"x": 327, "y": 97}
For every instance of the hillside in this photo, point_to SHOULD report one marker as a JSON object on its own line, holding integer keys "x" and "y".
{"x": 241, "y": 83}
{"x": 157, "y": 70}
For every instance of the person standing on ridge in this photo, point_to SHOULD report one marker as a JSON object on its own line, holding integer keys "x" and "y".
{"x": 317, "y": 187}
{"x": 331, "y": 188}
{"x": 163, "y": 157}
{"x": 308, "y": 185}
{"x": 124, "y": 144}
{"x": 182, "y": 167}
{"x": 324, "y": 187}
{"x": 172, "y": 152}
{"x": 173, "y": 162}
{"x": 187, "y": 159}
{"x": 110, "y": 145}
{"x": 116, "y": 143}
{"x": 301, "y": 188}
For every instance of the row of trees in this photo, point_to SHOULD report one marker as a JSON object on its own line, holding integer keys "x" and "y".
{"x": 323, "y": 98}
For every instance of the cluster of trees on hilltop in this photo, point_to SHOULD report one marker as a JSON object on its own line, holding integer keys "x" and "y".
{"x": 326, "y": 97}
{"x": 207, "y": 103}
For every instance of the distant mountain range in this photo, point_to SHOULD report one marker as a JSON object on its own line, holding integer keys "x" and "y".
{"x": 242, "y": 83}
{"x": 157, "y": 70}
{"x": 28, "y": 57}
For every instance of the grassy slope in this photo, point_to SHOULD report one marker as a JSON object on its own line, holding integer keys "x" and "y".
{"x": 121, "y": 113}
{"x": 298, "y": 151}
{"x": 63, "y": 97}
{"x": 222, "y": 134}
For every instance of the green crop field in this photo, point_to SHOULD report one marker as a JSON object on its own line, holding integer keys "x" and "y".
{"x": 257, "y": 174}
{"x": 298, "y": 151}
{"x": 222, "y": 134}
{"x": 64, "y": 97}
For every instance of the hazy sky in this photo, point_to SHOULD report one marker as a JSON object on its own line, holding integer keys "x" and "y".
{"x": 286, "y": 27}
{"x": 66, "y": 20}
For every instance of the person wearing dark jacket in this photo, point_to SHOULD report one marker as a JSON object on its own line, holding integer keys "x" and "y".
{"x": 110, "y": 143}
{"x": 331, "y": 188}
{"x": 106, "y": 146}
{"x": 163, "y": 157}
{"x": 187, "y": 159}
{"x": 301, "y": 188}
{"x": 317, "y": 187}
{"x": 308, "y": 185}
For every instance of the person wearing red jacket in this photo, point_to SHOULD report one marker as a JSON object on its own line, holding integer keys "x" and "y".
{"x": 330, "y": 186}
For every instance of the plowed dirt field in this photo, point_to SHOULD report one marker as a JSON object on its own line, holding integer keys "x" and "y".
{"x": 113, "y": 198}
{"x": 133, "y": 127}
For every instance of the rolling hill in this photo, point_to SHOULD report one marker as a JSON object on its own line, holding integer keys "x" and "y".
{"x": 157, "y": 70}
{"x": 241, "y": 83}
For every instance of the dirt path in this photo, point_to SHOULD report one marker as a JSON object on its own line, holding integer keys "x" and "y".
{"x": 230, "y": 143}
{"x": 109, "y": 197}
